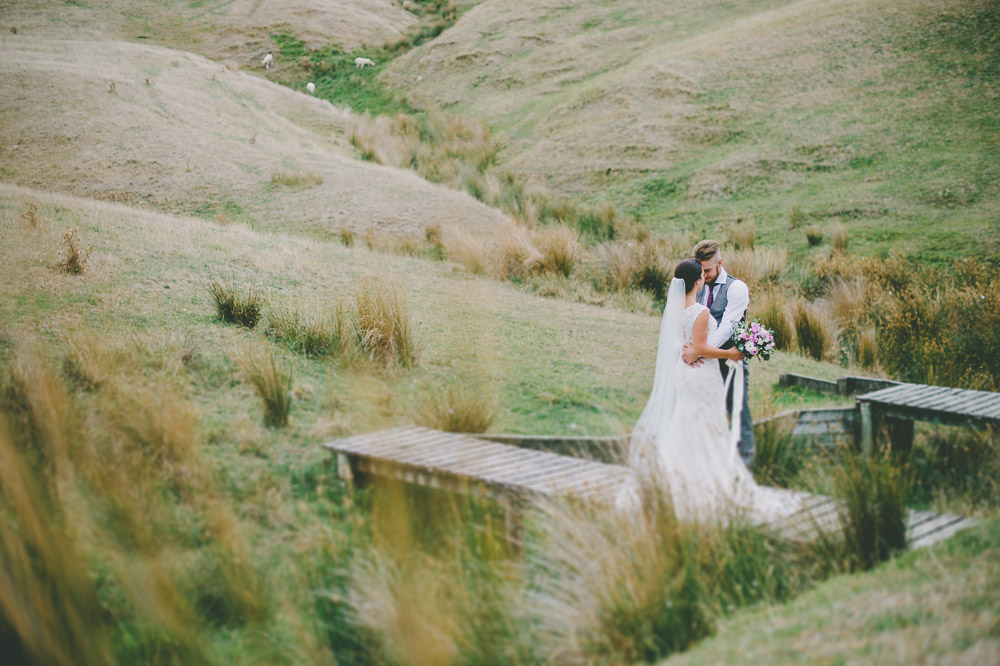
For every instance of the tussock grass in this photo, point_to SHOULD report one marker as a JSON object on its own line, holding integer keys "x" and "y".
{"x": 312, "y": 335}
{"x": 816, "y": 330}
{"x": 271, "y": 380}
{"x": 468, "y": 408}
{"x": 382, "y": 323}
{"x": 561, "y": 249}
{"x": 73, "y": 258}
{"x": 814, "y": 235}
{"x": 236, "y": 307}
{"x": 346, "y": 237}
{"x": 742, "y": 234}
{"x": 770, "y": 306}
{"x": 758, "y": 268}
{"x": 838, "y": 237}
{"x": 296, "y": 179}
{"x": 778, "y": 456}
{"x": 873, "y": 512}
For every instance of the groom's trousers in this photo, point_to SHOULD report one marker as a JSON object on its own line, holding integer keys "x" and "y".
{"x": 746, "y": 446}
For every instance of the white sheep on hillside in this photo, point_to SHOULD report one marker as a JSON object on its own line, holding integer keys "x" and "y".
{"x": 268, "y": 60}
{"x": 361, "y": 63}
{"x": 311, "y": 87}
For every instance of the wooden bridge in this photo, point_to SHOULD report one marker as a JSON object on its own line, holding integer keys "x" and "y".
{"x": 900, "y": 405}
{"x": 514, "y": 475}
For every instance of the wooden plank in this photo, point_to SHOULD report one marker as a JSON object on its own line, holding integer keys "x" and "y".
{"x": 982, "y": 405}
{"x": 927, "y": 527}
{"x": 947, "y": 401}
{"x": 915, "y": 395}
{"x": 968, "y": 399}
{"x": 943, "y": 533}
{"x": 886, "y": 393}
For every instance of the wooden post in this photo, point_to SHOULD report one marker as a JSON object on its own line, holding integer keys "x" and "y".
{"x": 900, "y": 435}
{"x": 867, "y": 428}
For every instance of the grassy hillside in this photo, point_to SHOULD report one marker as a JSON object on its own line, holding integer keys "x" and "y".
{"x": 880, "y": 115}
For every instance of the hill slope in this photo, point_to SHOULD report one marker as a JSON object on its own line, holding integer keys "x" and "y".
{"x": 143, "y": 123}
{"x": 881, "y": 114}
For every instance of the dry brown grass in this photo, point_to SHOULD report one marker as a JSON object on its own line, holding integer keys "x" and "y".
{"x": 849, "y": 299}
{"x": 771, "y": 305}
{"x": 560, "y": 247}
{"x": 742, "y": 234}
{"x": 30, "y": 215}
{"x": 512, "y": 254}
{"x": 382, "y": 323}
{"x": 468, "y": 408}
{"x": 758, "y": 268}
{"x": 296, "y": 179}
{"x": 271, "y": 380}
{"x": 839, "y": 237}
{"x": 467, "y": 249}
{"x": 817, "y": 331}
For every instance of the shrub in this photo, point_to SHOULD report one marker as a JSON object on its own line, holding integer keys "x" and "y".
{"x": 382, "y": 323}
{"x": 30, "y": 216}
{"x": 234, "y": 307}
{"x": 872, "y": 492}
{"x": 814, "y": 235}
{"x": 468, "y": 409}
{"x": 272, "y": 382}
{"x": 838, "y": 237}
{"x": 74, "y": 257}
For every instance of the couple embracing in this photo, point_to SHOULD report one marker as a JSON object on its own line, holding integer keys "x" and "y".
{"x": 684, "y": 442}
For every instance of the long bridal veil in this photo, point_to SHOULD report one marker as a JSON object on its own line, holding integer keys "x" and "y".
{"x": 643, "y": 457}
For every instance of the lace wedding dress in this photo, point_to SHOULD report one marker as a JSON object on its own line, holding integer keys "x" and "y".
{"x": 683, "y": 442}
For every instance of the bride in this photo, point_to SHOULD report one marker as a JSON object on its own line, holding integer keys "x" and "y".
{"x": 683, "y": 440}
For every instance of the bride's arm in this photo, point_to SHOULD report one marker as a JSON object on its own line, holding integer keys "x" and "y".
{"x": 699, "y": 336}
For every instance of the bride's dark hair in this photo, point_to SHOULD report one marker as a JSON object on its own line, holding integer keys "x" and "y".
{"x": 688, "y": 270}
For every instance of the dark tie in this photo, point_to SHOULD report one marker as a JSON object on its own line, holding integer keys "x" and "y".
{"x": 708, "y": 301}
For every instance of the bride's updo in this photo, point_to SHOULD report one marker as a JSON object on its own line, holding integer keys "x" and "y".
{"x": 690, "y": 271}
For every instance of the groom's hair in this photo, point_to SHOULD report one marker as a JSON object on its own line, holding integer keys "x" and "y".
{"x": 706, "y": 250}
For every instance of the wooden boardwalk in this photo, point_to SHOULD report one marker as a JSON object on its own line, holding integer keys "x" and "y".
{"x": 513, "y": 475}
{"x": 905, "y": 403}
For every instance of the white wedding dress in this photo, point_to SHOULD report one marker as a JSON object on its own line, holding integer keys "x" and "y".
{"x": 683, "y": 443}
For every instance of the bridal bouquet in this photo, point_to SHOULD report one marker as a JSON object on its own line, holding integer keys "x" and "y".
{"x": 754, "y": 340}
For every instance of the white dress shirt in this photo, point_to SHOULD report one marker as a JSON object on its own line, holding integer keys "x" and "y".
{"x": 736, "y": 306}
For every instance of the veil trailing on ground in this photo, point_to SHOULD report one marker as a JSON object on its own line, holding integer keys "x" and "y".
{"x": 662, "y": 401}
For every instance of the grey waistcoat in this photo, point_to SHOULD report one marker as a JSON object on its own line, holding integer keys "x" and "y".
{"x": 719, "y": 304}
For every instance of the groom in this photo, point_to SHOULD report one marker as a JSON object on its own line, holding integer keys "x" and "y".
{"x": 727, "y": 299}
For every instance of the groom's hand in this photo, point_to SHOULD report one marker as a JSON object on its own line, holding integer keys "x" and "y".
{"x": 690, "y": 356}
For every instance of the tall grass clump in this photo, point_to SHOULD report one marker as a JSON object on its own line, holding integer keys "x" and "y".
{"x": 296, "y": 179}
{"x": 815, "y": 330}
{"x": 382, "y": 323}
{"x": 873, "y": 493}
{"x": 770, "y": 307}
{"x": 742, "y": 234}
{"x": 759, "y": 267}
{"x": 458, "y": 408}
{"x": 814, "y": 235}
{"x": 955, "y": 470}
{"x": 271, "y": 381}
{"x": 315, "y": 336}
{"x": 73, "y": 259}
{"x": 779, "y": 456}
{"x": 561, "y": 249}
{"x": 235, "y": 307}
{"x": 839, "y": 237}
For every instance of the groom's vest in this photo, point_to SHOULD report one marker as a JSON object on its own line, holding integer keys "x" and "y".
{"x": 719, "y": 304}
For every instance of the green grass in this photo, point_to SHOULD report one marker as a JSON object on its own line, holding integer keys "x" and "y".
{"x": 938, "y": 603}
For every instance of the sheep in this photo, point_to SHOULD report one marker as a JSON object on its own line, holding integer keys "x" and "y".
{"x": 268, "y": 60}
{"x": 361, "y": 63}
{"x": 311, "y": 87}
